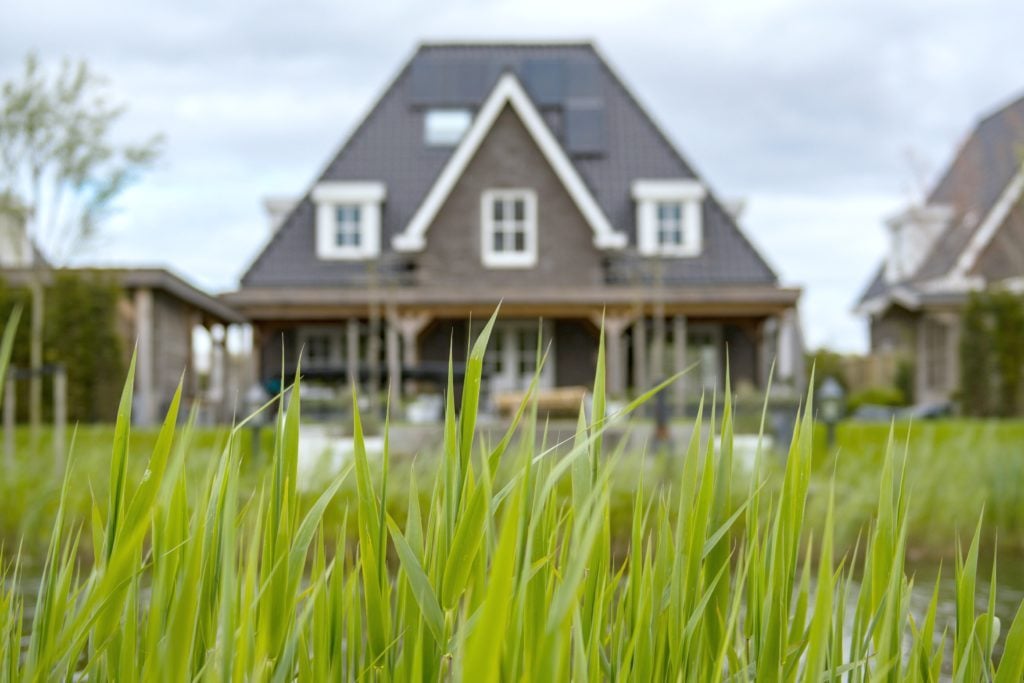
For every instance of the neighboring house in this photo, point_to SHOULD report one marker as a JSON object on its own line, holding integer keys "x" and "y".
{"x": 967, "y": 236}
{"x": 158, "y": 314}
{"x": 525, "y": 174}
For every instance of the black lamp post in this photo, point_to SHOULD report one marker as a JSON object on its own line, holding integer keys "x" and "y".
{"x": 832, "y": 399}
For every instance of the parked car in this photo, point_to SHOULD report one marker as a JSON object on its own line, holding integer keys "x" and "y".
{"x": 873, "y": 413}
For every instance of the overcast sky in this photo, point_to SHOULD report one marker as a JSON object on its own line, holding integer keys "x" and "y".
{"x": 824, "y": 116}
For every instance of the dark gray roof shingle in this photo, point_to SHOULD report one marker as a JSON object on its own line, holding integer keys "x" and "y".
{"x": 388, "y": 146}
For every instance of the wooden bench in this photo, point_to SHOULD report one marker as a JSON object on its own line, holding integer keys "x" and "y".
{"x": 557, "y": 401}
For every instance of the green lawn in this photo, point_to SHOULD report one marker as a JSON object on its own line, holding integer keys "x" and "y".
{"x": 957, "y": 469}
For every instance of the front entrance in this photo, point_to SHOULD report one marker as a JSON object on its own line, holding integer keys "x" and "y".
{"x": 511, "y": 360}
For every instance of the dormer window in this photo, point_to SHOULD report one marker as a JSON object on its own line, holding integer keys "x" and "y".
{"x": 670, "y": 225}
{"x": 445, "y": 127}
{"x": 509, "y": 228}
{"x": 669, "y": 217}
{"x": 348, "y": 231}
{"x": 348, "y": 219}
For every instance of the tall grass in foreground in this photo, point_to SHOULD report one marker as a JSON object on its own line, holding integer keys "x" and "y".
{"x": 493, "y": 578}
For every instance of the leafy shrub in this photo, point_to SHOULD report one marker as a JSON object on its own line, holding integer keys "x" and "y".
{"x": 81, "y": 333}
{"x": 876, "y": 396}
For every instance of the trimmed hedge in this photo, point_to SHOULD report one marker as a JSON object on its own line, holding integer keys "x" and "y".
{"x": 80, "y": 331}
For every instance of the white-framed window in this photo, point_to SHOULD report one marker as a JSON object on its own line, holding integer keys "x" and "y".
{"x": 348, "y": 219}
{"x": 322, "y": 346}
{"x": 512, "y": 361}
{"x": 671, "y": 227}
{"x": 669, "y": 217}
{"x": 348, "y": 231}
{"x": 509, "y": 228}
{"x": 445, "y": 127}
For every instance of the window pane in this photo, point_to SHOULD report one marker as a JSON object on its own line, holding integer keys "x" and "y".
{"x": 499, "y": 210}
{"x": 445, "y": 127}
{"x": 520, "y": 209}
{"x": 499, "y": 241}
{"x": 527, "y": 352}
{"x": 669, "y": 212}
{"x": 520, "y": 240}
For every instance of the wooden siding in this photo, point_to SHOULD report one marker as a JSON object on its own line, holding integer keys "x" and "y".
{"x": 509, "y": 158}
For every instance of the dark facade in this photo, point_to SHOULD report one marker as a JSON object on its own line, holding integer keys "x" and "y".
{"x": 559, "y": 198}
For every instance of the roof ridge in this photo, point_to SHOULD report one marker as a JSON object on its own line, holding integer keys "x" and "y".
{"x": 506, "y": 43}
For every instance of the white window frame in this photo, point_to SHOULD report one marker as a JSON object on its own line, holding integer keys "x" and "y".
{"x": 329, "y": 197}
{"x": 689, "y": 194}
{"x": 506, "y": 349}
{"x": 506, "y": 259}
{"x": 336, "y": 344}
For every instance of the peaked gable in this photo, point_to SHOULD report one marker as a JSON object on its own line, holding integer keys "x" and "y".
{"x": 509, "y": 160}
{"x": 978, "y": 185}
{"x": 508, "y": 92}
{"x": 981, "y": 187}
{"x": 387, "y": 147}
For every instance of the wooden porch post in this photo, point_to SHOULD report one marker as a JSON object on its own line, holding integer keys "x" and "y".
{"x": 640, "y": 354}
{"x": 615, "y": 327}
{"x": 767, "y": 350}
{"x": 218, "y": 371}
{"x": 352, "y": 351}
{"x": 658, "y": 348}
{"x": 257, "y": 354}
{"x": 191, "y": 388}
{"x": 679, "y": 361}
{"x": 394, "y": 361}
{"x": 408, "y": 328}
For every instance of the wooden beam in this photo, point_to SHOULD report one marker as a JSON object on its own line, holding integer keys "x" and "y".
{"x": 679, "y": 362}
{"x": 640, "y": 355}
{"x": 394, "y": 362}
{"x": 352, "y": 350}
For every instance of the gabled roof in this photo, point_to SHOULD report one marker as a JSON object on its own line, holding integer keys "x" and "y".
{"x": 157, "y": 278}
{"x": 980, "y": 185}
{"x": 508, "y": 92}
{"x": 565, "y": 82}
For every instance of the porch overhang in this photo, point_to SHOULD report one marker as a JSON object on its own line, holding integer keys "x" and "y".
{"x": 331, "y": 303}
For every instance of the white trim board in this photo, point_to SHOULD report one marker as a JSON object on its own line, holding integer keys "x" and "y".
{"x": 989, "y": 227}
{"x": 508, "y": 91}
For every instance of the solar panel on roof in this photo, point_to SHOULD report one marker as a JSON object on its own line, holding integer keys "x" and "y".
{"x": 427, "y": 81}
{"x": 544, "y": 79}
{"x": 584, "y": 79}
{"x": 439, "y": 80}
{"x": 585, "y": 126}
{"x": 468, "y": 82}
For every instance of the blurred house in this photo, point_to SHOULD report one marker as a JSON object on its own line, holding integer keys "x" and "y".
{"x": 968, "y": 235}
{"x": 526, "y": 174}
{"x": 159, "y": 313}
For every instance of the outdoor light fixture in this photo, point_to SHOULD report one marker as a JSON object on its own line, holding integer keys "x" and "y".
{"x": 832, "y": 399}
